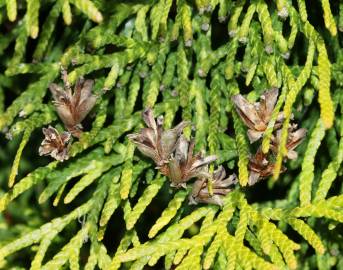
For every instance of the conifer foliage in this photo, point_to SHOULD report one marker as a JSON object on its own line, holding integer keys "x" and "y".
{"x": 171, "y": 134}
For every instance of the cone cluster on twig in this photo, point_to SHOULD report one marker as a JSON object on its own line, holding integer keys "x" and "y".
{"x": 256, "y": 117}
{"x": 174, "y": 158}
{"x": 72, "y": 107}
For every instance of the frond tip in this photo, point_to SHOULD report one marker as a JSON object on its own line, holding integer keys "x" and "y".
{"x": 324, "y": 98}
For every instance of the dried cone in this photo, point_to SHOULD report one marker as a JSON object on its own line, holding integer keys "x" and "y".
{"x": 257, "y": 116}
{"x": 55, "y": 144}
{"x": 72, "y": 108}
{"x": 155, "y": 142}
{"x": 260, "y": 167}
{"x": 220, "y": 187}
{"x": 295, "y": 137}
{"x": 184, "y": 166}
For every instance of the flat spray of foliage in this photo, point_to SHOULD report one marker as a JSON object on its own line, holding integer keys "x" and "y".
{"x": 107, "y": 206}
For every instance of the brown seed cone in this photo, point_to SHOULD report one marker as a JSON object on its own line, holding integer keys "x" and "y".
{"x": 73, "y": 107}
{"x": 55, "y": 144}
{"x": 256, "y": 116}
{"x": 154, "y": 141}
{"x": 220, "y": 187}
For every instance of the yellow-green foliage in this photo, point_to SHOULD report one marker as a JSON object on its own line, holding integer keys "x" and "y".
{"x": 107, "y": 207}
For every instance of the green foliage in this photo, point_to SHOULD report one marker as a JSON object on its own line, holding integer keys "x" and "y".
{"x": 107, "y": 207}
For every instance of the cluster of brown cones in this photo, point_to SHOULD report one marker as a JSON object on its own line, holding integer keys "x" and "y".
{"x": 72, "y": 107}
{"x": 169, "y": 149}
{"x": 256, "y": 117}
{"x": 174, "y": 157}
